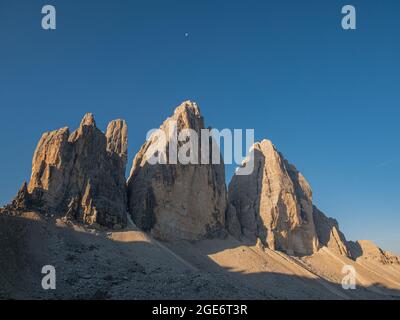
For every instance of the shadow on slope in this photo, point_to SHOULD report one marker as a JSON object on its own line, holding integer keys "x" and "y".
{"x": 90, "y": 265}
{"x": 273, "y": 274}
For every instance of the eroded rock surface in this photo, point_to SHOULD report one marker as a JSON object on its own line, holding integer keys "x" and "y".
{"x": 274, "y": 203}
{"x": 82, "y": 174}
{"x": 178, "y": 201}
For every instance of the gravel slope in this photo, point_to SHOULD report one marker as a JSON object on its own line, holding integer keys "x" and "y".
{"x": 96, "y": 264}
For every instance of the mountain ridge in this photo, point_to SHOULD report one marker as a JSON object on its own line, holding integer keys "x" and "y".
{"x": 78, "y": 181}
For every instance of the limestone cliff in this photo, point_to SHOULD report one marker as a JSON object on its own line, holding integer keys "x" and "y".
{"x": 175, "y": 200}
{"x": 274, "y": 203}
{"x": 82, "y": 174}
{"x": 329, "y": 234}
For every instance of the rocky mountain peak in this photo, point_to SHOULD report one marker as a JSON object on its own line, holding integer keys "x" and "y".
{"x": 187, "y": 116}
{"x": 82, "y": 174}
{"x": 88, "y": 120}
{"x": 178, "y": 201}
{"x": 274, "y": 203}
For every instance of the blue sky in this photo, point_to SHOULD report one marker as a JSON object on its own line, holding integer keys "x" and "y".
{"x": 329, "y": 99}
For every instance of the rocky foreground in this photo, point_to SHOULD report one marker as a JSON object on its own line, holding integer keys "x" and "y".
{"x": 174, "y": 230}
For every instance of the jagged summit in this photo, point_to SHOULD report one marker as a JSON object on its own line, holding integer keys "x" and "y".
{"x": 81, "y": 175}
{"x": 88, "y": 120}
{"x": 270, "y": 213}
{"x": 178, "y": 201}
{"x": 188, "y": 106}
{"x": 188, "y": 116}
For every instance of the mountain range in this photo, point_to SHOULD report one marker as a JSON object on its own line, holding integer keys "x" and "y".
{"x": 176, "y": 230}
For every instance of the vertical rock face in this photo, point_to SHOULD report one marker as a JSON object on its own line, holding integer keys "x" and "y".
{"x": 177, "y": 201}
{"x": 21, "y": 202}
{"x": 274, "y": 203}
{"x": 232, "y": 222}
{"x": 117, "y": 140}
{"x": 329, "y": 234}
{"x": 83, "y": 173}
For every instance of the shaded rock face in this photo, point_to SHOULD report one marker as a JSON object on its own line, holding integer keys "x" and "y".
{"x": 178, "y": 201}
{"x": 82, "y": 174}
{"x": 232, "y": 222}
{"x": 22, "y": 199}
{"x": 367, "y": 250}
{"x": 274, "y": 203}
{"x": 329, "y": 234}
{"x": 21, "y": 202}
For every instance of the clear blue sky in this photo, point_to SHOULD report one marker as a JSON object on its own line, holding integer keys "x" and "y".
{"x": 329, "y": 99}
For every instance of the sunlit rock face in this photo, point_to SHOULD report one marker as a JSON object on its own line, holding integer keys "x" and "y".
{"x": 178, "y": 201}
{"x": 82, "y": 174}
{"x": 274, "y": 203}
{"x": 366, "y": 250}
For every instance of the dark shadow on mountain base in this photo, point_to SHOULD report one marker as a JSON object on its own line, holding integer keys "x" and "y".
{"x": 301, "y": 288}
{"x": 86, "y": 264}
{"x": 273, "y": 285}
{"x": 91, "y": 266}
